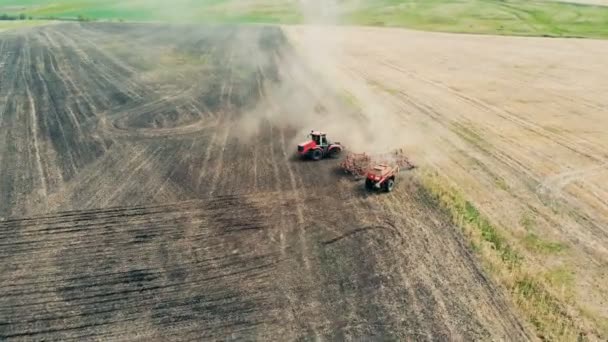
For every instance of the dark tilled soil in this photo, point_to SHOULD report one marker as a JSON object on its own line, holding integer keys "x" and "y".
{"x": 134, "y": 207}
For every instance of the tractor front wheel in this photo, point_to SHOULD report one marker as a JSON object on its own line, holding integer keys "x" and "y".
{"x": 316, "y": 154}
{"x": 389, "y": 185}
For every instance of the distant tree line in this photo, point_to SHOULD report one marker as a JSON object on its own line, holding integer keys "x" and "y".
{"x": 21, "y": 16}
{"x": 78, "y": 18}
{"x": 84, "y": 18}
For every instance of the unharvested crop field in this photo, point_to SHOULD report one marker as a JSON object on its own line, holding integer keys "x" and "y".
{"x": 148, "y": 191}
{"x": 520, "y": 125}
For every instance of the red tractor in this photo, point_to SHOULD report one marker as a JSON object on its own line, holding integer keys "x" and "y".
{"x": 318, "y": 147}
{"x": 381, "y": 176}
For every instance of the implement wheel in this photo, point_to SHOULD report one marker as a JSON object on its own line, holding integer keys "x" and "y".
{"x": 389, "y": 185}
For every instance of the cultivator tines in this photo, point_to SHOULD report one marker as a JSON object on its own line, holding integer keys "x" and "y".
{"x": 402, "y": 160}
{"x": 356, "y": 164}
{"x": 397, "y": 158}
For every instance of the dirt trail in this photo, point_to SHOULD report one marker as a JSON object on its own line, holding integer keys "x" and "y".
{"x": 146, "y": 209}
{"x": 519, "y": 124}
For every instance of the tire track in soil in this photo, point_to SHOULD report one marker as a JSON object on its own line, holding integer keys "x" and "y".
{"x": 113, "y": 87}
{"x": 84, "y": 104}
{"x": 302, "y": 242}
{"x": 211, "y": 142}
{"x": 73, "y": 99}
{"x": 4, "y": 57}
{"x": 310, "y": 310}
{"x": 531, "y": 181}
{"x": 185, "y": 155}
{"x": 287, "y": 288}
{"x": 104, "y": 176}
{"x": 134, "y": 170}
{"x": 96, "y": 295}
{"x": 513, "y": 165}
{"x": 416, "y": 317}
{"x": 228, "y": 115}
{"x": 34, "y": 135}
{"x": 105, "y": 68}
{"x": 221, "y": 147}
{"x": 8, "y": 154}
{"x": 579, "y": 145}
{"x": 511, "y": 117}
{"x": 61, "y": 133}
{"x": 434, "y": 289}
{"x": 7, "y": 150}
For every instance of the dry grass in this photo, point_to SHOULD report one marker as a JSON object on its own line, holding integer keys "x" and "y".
{"x": 542, "y": 296}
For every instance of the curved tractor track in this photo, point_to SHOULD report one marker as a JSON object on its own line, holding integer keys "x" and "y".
{"x": 146, "y": 195}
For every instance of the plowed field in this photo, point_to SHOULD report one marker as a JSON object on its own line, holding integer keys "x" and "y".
{"x": 148, "y": 191}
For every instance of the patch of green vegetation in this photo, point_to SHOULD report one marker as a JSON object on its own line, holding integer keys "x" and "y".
{"x": 465, "y": 212}
{"x": 541, "y": 296}
{"x": 560, "y": 277}
{"x": 527, "y": 221}
{"x": 501, "y": 183}
{"x": 350, "y": 99}
{"x": 469, "y": 135}
{"x": 5, "y": 16}
{"x": 506, "y": 17}
{"x": 183, "y": 11}
{"x": 549, "y": 317}
{"x": 534, "y": 243}
{"x": 382, "y": 87}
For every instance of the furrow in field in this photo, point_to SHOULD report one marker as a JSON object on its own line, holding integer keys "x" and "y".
{"x": 105, "y": 290}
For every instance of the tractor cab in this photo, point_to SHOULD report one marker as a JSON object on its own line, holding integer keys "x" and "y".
{"x": 319, "y": 138}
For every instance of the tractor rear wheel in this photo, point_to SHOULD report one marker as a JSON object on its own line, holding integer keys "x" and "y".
{"x": 334, "y": 152}
{"x": 389, "y": 185}
{"x": 316, "y": 154}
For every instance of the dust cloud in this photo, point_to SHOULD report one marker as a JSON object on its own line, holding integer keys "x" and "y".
{"x": 315, "y": 91}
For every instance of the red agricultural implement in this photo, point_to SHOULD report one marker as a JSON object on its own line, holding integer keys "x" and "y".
{"x": 318, "y": 146}
{"x": 381, "y": 176}
{"x": 380, "y": 171}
